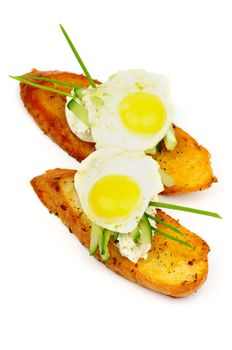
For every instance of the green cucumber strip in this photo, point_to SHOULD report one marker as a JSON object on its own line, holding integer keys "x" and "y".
{"x": 170, "y": 139}
{"x": 145, "y": 230}
{"x": 56, "y": 81}
{"x": 96, "y": 232}
{"x": 166, "y": 235}
{"x": 116, "y": 234}
{"x": 165, "y": 224}
{"x": 135, "y": 234}
{"x": 159, "y": 147}
{"x": 182, "y": 208}
{"x": 79, "y": 111}
{"x": 104, "y": 240}
{"x": 80, "y": 92}
{"x": 166, "y": 179}
{"x": 39, "y": 86}
{"x": 81, "y": 63}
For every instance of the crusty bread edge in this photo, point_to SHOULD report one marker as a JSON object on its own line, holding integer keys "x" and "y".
{"x": 80, "y": 226}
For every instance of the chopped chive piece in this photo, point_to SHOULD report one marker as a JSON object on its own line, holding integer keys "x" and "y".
{"x": 79, "y": 111}
{"x": 159, "y": 147}
{"x": 81, "y": 63}
{"x": 165, "y": 224}
{"x": 166, "y": 235}
{"x": 135, "y": 234}
{"x": 46, "y": 88}
{"x": 145, "y": 230}
{"x": 182, "y": 208}
{"x": 56, "y": 81}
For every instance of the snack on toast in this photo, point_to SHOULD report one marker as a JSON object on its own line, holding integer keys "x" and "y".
{"x": 170, "y": 268}
{"x": 188, "y": 164}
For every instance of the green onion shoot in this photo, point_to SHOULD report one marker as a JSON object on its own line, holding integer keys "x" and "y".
{"x": 43, "y": 87}
{"x": 182, "y": 208}
{"x": 165, "y": 224}
{"x": 81, "y": 63}
{"x": 166, "y": 235}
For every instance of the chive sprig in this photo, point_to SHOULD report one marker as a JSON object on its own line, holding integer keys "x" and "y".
{"x": 78, "y": 57}
{"x": 43, "y": 87}
{"x": 182, "y": 208}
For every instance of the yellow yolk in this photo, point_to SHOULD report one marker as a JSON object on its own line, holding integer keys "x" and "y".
{"x": 114, "y": 196}
{"x": 142, "y": 112}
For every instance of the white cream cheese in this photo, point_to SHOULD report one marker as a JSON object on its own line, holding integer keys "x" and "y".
{"x": 130, "y": 250}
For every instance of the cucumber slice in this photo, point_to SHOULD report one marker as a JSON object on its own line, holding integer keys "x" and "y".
{"x": 170, "y": 139}
{"x": 135, "y": 234}
{"x": 166, "y": 179}
{"x": 96, "y": 232}
{"x": 145, "y": 230}
{"x": 116, "y": 234}
{"x": 79, "y": 111}
{"x": 80, "y": 92}
{"x": 104, "y": 240}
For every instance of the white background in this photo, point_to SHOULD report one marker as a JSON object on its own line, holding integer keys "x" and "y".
{"x": 53, "y": 295}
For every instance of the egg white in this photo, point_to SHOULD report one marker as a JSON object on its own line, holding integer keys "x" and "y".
{"x": 107, "y": 127}
{"x": 135, "y": 164}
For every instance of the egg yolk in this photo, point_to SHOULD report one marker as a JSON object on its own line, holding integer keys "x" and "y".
{"x": 142, "y": 112}
{"x": 114, "y": 196}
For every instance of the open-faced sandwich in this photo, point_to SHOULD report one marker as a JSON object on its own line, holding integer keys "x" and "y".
{"x": 131, "y": 151}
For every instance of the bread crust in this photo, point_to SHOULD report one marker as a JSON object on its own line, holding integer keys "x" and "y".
{"x": 188, "y": 164}
{"x": 171, "y": 268}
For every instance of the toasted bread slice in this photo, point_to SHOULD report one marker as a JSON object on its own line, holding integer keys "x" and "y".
{"x": 171, "y": 268}
{"x": 188, "y": 164}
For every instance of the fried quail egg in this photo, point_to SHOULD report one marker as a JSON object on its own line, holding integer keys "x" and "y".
{"x": 115, "y": 187}
{"x": 131, "y": 110}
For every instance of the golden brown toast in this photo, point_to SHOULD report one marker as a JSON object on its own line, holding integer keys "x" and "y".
{"x": 188, "y": 164}
{"x": 171, "y": 268}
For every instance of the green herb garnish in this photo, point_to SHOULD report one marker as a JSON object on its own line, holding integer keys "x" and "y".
{"x": 166, "y": 235}
{"x": 56, "y": 81}
{"x": 173, "y": 228}
{"x": 182, "y": 208}
{"x": 43, "y": 87}
{"x": 81, "y": 63}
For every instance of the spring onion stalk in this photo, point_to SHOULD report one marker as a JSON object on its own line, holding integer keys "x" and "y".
{"x": 166, "y": 235}
{"x": 81, "y": 63}
{"x": 165, "y": 224}
{"x": 43, "y": 87}
{"x": 56, "y": 81}
{"x": 182, "y": 208}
